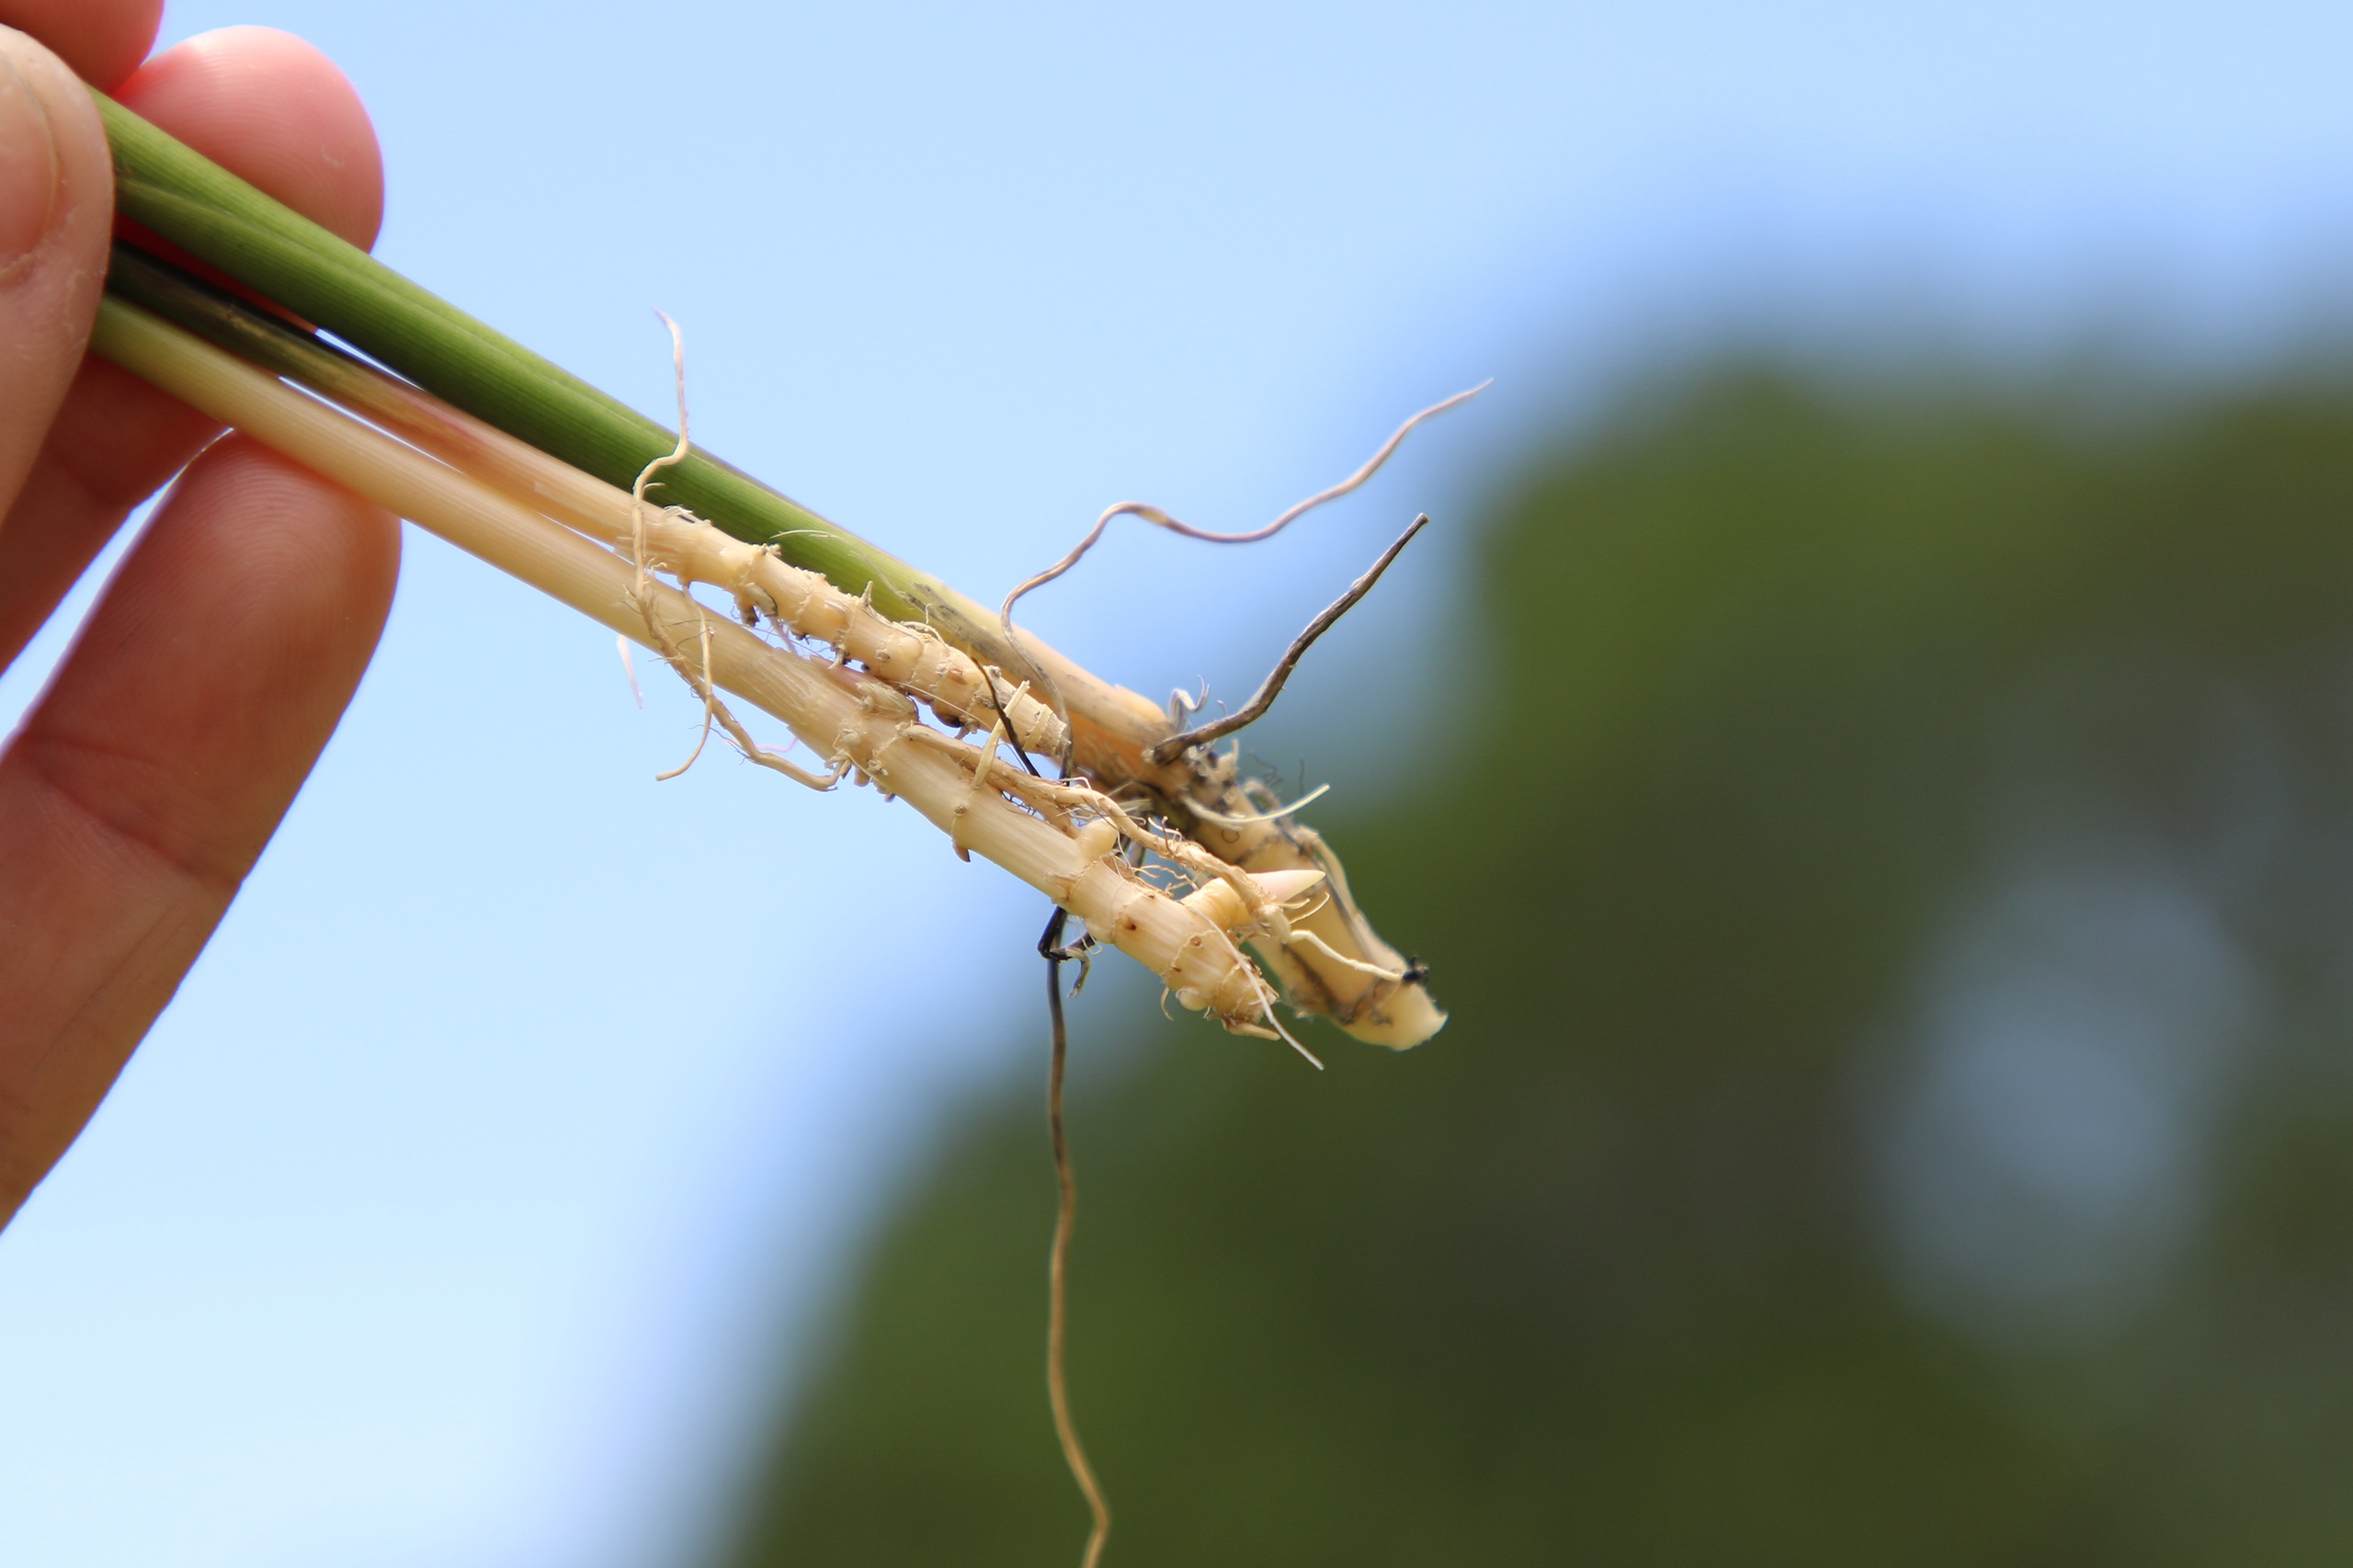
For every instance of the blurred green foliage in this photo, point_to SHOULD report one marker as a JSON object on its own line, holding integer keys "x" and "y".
{"x": 1895, "y": 899}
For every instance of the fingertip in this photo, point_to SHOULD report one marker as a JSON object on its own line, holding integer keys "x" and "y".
{"x": 271, "y": 108}
{"x": 103, "y": 40}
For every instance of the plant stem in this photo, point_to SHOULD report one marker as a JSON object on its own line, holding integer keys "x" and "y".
{"x": 181, "y": 196}
{"x": 838, "y": 712}
{"x": 798, "y": 601}
{"x": 184, "y": 198}
{"x": 172, "y": 190}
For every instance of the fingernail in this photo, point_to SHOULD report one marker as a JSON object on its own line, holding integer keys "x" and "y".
{"x": 28, "y": 169}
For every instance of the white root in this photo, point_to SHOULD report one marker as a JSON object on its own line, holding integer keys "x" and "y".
{"x": 1251, "y": 818}
{"x": 1302, "y": 938}
{"x": 629, "y": 668}
{"x": 856, "y": 721}
{"x": 640, "y": 595}
{"x": 980, "y": 782}
{"x": 702, "y": 689}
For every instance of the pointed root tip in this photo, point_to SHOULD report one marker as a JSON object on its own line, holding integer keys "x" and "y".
{"x": 1287, "y": 886}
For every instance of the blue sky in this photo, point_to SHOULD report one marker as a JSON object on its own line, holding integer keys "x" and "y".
{"x": 455, "y": 1210}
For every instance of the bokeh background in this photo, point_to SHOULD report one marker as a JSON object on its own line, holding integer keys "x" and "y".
{"x": 1868, "y": 752}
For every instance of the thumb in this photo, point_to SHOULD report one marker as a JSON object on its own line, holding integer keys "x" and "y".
{"x": 56, "y": 213}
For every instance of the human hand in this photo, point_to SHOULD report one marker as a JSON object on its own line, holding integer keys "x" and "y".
{"x": 140, "y": 792}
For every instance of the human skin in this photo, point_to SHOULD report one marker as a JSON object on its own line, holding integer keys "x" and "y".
{"x": 138, "y": 792}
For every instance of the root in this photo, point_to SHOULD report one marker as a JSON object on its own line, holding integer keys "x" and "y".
{"x": 1254, "y": 818}
{"x": 1160, "y": 519}
{"x": 629, "y": 667}
{"x": 714, "y": 709}
{"x": 1273, "y": 1029}
{"x": 979, "y": 779}
{"x": 1310, "y": 939}
{"x": 710, "y": 694}
{"x": 1177, "y": 746}
{"x": 1058, "y": 1259}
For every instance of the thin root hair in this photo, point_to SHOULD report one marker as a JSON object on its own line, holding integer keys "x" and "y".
{"x": 700, "y": 681}
{"x": 1058, "y": 1259}
{"x": 1160, "y": 519}
{"x": 1175, "y": 746}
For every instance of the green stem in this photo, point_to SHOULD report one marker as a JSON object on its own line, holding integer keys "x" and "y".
{"x": 191, "y": 201}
